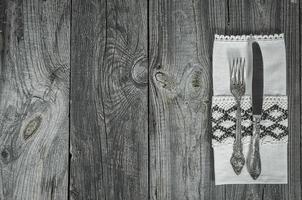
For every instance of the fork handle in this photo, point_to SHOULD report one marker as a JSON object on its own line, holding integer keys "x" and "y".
{"x": 237, "y": 159}
{"x": 238, "y": 123}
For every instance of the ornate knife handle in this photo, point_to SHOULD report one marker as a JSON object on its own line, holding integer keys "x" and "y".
{"x": 253, "y": 158}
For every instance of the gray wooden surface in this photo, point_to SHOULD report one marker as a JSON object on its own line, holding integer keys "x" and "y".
{"x": 109, "y": 108}
{"x": 110, "y": 99}
{"x": 123, "y": 81}
{"x": 34, "y": 99}
{"x": 180, "y": 82}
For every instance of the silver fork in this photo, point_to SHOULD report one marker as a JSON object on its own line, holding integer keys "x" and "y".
{"x": 237, "y": 87}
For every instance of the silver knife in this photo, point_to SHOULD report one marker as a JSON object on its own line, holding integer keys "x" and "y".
{"x": 253, "y": 157}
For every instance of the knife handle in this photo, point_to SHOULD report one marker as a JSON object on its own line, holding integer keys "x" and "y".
{"x": 253, "y": 158}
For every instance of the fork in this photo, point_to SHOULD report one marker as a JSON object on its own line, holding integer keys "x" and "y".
{"x": 237, "y": 87}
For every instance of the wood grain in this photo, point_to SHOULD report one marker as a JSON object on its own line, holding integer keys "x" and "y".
{"x": 109, "y": 120}
{"x": 34, "y": 100}
{"x": 179, "y": 59}
{"x": 135, "y": 78}
{"x": 290, "y": 26}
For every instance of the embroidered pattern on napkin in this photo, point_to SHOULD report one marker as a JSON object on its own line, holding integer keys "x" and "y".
{"x": 273, "y": 126}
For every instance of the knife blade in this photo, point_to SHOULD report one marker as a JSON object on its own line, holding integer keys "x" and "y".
{"x": 253, "y": 158}
{"x": 257, "y": 80}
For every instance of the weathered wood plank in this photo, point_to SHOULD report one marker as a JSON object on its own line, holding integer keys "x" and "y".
{"x": 109, "y": 120}
{"x": 179, "y": 59}
{"x": 88, "y": 31}
{"x": 218, "y": 18}
{"x": 290, "y": 26}
{"x": 34, "y": 102}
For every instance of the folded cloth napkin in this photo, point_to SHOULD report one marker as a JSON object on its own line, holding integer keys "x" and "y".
{"x": 274, "y": 120}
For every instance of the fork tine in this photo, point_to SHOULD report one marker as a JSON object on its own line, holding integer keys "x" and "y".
{"x": 234, "y": 72}
{"x": 243, "y": 66}
{"x": 242, "y": 72}
{"x": 232, "y": 69}
{"x": 239, "y": 71}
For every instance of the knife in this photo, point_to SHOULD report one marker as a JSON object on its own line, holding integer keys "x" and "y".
{"x": 253, "y": 157}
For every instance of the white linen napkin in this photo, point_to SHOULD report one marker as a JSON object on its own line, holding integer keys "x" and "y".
{"x": 274, "y": 131}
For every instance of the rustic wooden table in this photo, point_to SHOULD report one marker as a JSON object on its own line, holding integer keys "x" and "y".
{"x": 110, "y": 99}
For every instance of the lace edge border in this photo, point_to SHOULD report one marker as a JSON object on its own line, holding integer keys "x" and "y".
{"x": 248, "y": 37}
{"x": 223, "y": 98}
{"x": 246, "y": 140}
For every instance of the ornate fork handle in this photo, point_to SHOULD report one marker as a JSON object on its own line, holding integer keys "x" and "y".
{"x": 237, "y": 159}
{"x": 238, "y": 122}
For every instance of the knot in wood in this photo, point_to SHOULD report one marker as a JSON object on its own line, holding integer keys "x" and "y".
{"x": 139, "y": 72}
{"x": 32, "y": 127}
{"x": 5, "y": 155}
{"x": 165, "y": 81}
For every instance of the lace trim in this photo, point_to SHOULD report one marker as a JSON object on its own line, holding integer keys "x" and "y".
{"x": 231, "y": 38}
{"x": 229, "y": 141}
{"x": 273, "y": 126}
